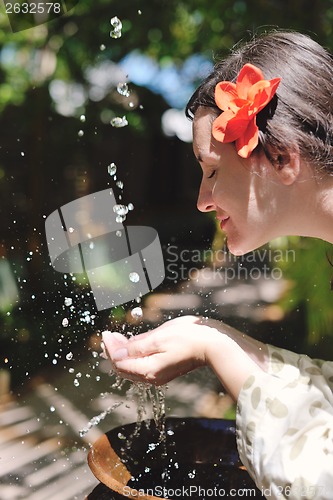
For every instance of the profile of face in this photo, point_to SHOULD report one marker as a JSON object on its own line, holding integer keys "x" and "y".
{"x": 249, "y": 196}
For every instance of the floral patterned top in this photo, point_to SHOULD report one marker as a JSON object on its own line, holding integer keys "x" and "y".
{"x": 285, "y": 427}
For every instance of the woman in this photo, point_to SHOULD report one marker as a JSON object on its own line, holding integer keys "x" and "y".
{"x": 263, "y": 135}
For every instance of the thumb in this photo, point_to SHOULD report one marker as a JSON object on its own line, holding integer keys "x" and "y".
{"x": 113, "y": 341}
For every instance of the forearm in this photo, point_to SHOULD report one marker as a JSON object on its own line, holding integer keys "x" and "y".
{"x": 234, "y": 356}
{"x": 256, "y": 350}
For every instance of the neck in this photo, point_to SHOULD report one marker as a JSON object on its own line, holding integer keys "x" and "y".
{"x": 315, "y": 208}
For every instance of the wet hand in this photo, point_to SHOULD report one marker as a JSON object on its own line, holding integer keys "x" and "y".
{"x": 158, "y": 356}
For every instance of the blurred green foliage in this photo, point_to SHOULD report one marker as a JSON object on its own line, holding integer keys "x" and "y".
{"x": 165, "y": 30}
{"x": 310, "y": 273}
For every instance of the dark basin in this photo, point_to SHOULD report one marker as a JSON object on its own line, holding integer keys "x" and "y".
{"x": 197, "y": 460}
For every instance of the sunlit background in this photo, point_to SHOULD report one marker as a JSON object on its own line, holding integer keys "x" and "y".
{"x": 74, "y": 98}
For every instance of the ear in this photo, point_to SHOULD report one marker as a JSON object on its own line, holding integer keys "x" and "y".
{"x": 287, "y": 165}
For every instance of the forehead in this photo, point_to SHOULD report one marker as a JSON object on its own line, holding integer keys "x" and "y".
{"x": 203, "y": 141}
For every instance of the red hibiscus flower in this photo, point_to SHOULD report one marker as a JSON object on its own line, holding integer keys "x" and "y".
{"x": 240, "y": 103}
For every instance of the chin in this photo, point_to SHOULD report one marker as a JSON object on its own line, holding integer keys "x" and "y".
{"x": 239, "y": 248}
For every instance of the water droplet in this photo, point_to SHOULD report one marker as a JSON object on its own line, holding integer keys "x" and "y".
{"x": 122, "y": 89}
{"x": 134, "y": 277}
{"x": 22, "y": 153}
{"x": 102, "y": 47}
{"x": 112, "y": 169}
{"x": 118, "y": 233}
{"x": 52, "y": 408}
{"x": 120, "y": 209}
{"x": 115, "y": 33}
{"x": 76, "y": 382}
{"x": 130, "y": 206}
{"x": 71, "y": 229}
{"x": 117, "y": 27}
{"x": 136, "y": 313}
{"x": 139, "y": 12}
{"x": 68, "y": 301}
{"x": 80, "y": 133}
{"x": 82, "y": 118}
{"x": 65, "y": 322}
{"x": 119, "y": 122}
{"x": 120, "y": 218}
{"x": 120, "y": 184}
{"x": 71, "y": 370}
{"x": 69, "y": 356}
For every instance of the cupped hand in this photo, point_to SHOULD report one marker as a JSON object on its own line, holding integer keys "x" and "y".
{"x": 158, "y": 356}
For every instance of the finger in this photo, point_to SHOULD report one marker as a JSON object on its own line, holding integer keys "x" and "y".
{"x": 136, "y": 348}
{"x": 113, "y": 341}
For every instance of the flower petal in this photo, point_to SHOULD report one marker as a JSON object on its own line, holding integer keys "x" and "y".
{"x": 230, "y": 126}
{"x": 224, "y": 93}
{"x": 220, "y": 124}
{"x": 248, "y": 141}
{"x": 262, "y": 93}
{"x": 248, "y": 76}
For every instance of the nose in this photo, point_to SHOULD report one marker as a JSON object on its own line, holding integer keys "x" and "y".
{"x": 205, "y": 202}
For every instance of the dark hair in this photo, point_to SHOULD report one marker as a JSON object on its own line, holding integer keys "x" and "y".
{"x": 301, "y": 113}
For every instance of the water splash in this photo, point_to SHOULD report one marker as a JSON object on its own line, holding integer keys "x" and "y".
{"x": 68, "y": 301}
{"x": 136, "y": 313}
{"x": 119, "y": 122}
{"x": 120, "y": 209}
{"x": 117, "y": 26}
{"x": 112, "y": 169}
{"x": 134, "y": 277}
{"x": 98, "y": 418}
{"x": 122, "y": 89}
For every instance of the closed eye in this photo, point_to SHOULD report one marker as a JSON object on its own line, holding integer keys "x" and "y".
{"x": 211, "y": 175}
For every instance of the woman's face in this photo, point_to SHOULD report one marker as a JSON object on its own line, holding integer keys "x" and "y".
{"x": 243, "y": 193}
